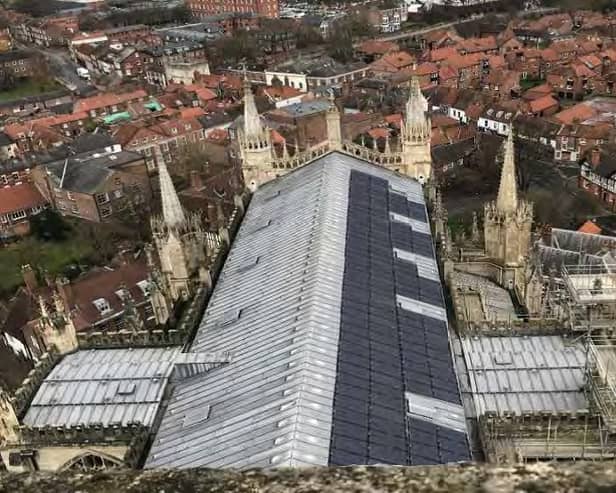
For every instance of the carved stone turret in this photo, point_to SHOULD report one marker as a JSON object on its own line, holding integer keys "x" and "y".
{"x": 255, "y": 143}
{"x": 179, "y": 239}
{"x": 416, "y": 131}
{"x": 9, "y": 424}
{"x": 55, "y": 326}
{"x": 508, "y": 220}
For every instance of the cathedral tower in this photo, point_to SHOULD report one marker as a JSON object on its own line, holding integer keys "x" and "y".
{"x": 179, "y": 240}
{"x": 416, "y": 131}
{"x": 508, "y": 219}
{"x": 255, "y": 143}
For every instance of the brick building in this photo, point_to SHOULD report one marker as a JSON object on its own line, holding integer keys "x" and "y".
{"x": 598, "y": 175}
{"x": 263, "y": 8}
{"x": 18, "y": 63}
{"x": 17, "y": 204}
{"x": 96, "y": 186}
{"x": 107, "y": 103}
{"x": 160, "y": 141}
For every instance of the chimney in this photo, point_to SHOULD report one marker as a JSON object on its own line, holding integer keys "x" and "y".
{"x": 195, "y": 180}
{"x": 65, "y": 290}
{"x": 30, "y": 279}
{"x": 595, "y": 157}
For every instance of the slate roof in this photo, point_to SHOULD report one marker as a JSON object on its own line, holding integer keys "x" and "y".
{"x": 103, "y": 386}
{"x": 331, "y": 308}
{"x": 87, "y": 172}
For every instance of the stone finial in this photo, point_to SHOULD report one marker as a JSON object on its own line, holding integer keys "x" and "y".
{"x": 475, "y": 228}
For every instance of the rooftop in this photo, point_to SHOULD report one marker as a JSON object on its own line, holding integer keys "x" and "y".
{"x": 88, "y": 171}
{"x": 19, "y": 197}
{"x": 521, "y": 374}
{"x": 103, "y": 386}
{"x": 331, "y": 307}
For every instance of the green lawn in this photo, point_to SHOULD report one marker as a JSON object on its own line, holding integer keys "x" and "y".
{"x": 50, "y": 256}
{"x": 29, "y": 87}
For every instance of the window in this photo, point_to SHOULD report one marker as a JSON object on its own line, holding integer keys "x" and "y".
{"x": 103, "y": 306}
{"x": 106, "y": 211}
{"x": 145, "y": 287}
{"x": 16, "y": 216}
{"x": 102, "y": 198}
{"x": 123, "y": 294}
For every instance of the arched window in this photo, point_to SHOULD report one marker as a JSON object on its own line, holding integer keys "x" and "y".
{"x": 91, "y": 461}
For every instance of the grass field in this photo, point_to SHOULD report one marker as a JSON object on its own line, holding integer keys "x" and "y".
{"x": 29, "y": 87}
{"x": 49, "y": 256}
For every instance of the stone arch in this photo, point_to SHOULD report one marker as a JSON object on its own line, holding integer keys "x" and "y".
{"x": 92, "y": 461}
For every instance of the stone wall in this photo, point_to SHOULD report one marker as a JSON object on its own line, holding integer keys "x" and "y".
{"x": 588, "y": 477}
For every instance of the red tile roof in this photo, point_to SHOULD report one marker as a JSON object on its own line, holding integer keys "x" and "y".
{"x": 107, "y": 99}
{"x": 590, "y": 227}
{"x": 538, "y": 91}
{"x": 395, "y": 119}
{"x": 103, "y": 283}
{"x": 378, "y": 133}
{"x": 441, "y": 54}
{"x": 542, "y": 104}
{"x": 276, "y": 137}
{"x": 191, "y": 112}
{"x": 281, "y": 92}
{"x": 19, "y": 197}
{"x": 577, "y": 113}
{"x": 463, "y": 61}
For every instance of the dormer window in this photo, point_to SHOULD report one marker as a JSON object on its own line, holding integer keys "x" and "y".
{"x": 103, "y": 306}
{"x": 144, "y": 286}
{"x": 123, "y": 294}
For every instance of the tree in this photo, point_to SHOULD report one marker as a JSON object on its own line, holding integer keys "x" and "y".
{"x": 49, "y": 226}
{"x": 340, "y": 44}
{"x": 37, "y": 8}
{"x": 308, "y": 36}
{"x": 241, "y": 47}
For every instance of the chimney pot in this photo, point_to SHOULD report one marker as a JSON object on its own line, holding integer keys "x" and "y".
{"x": 595, "y": 157}
{"x": 29, "y": 277}
{"x": 65, "y": 290}
{"x": 196, "y": 181}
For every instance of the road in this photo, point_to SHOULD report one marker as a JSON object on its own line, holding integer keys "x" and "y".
{"x": 447, "y": 25}
{"x": 62, "y": 67}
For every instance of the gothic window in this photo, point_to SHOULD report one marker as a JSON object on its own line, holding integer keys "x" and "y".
{"x": 91, "y": 461}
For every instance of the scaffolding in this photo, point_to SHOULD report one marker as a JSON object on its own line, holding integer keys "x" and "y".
{"x": 545, "y": 436}
{"x": 601, "y": 379}
{"x": 588, "y": 434}
{"x": 584, "y": 298}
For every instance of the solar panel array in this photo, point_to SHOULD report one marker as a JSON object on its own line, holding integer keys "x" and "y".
{"x": 385, "y": 350}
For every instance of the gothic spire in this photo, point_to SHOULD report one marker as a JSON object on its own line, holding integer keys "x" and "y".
{"x": 252, "y": 122}
{"x": 173, "y": 214}
{"x": 507, "y": 199}
{"x": 416, "y": 104}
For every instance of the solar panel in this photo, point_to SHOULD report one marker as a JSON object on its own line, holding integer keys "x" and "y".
{"x": 385, "y": 351}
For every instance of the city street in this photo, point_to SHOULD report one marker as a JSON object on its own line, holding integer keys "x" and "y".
{"x": 62, "y": 67}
